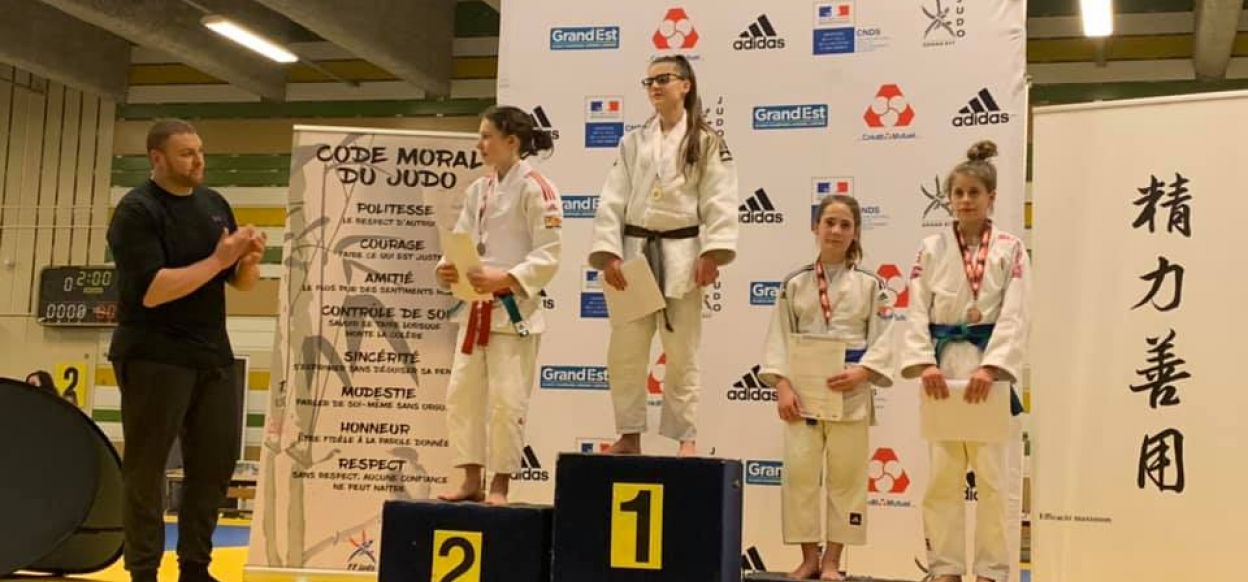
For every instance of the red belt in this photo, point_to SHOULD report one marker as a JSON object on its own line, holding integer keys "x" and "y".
{"x": 478, "y": 333}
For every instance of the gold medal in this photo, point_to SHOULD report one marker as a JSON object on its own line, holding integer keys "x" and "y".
{"x": 656, "y": 193}
{"x": 973, "y": 315}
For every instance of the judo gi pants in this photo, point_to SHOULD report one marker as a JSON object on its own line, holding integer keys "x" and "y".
{"x": 487, "y": 401}
{"x": 834, "y": 455}
{"x": 628, "y": 366}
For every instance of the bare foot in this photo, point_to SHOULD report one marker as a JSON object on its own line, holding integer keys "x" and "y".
{"x": 831, "y": 574}
{"x": 687, "y": 449}
{"x": 628, "y": 444}
{"x": 465, "y": 493}
{"x": 831, "y": 566}
{"x": 809, "y": 568}
{"x": 500, "y": 485}
{"x": 947, "y": 578}
{"x": 983, "y": 579}
{"x": 806, "y": 571}
{"x": 470, "y": 490}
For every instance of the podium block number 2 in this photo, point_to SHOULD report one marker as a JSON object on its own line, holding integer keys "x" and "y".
{"x": 456, "y": 556}
{"x": 637, "y": 526}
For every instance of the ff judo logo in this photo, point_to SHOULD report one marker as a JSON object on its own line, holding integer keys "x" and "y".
{"x": 363, "y": 556}
{"x": 675, "y": 32}
{"x": 946, "y": 22}
{"x": 937, "y": 213}
{"x": 530, "y": 468}
{"x": 888, "y": 115}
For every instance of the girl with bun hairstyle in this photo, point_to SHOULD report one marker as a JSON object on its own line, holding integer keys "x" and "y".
{"x": 968, "y": 320}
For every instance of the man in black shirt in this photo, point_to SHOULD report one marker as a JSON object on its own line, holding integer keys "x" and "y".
{"x": 176, "y": 245}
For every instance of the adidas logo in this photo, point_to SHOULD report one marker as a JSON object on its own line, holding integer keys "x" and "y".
{"x": 750, "y": 388}
{"x": 760, "y": 35}
{"x": 530, "y": 467}
{"x": 543, "y": 122}
{"x": 982, "y": 110}
{"x": 758, "y": 209}
{"x": 752, "y": 561}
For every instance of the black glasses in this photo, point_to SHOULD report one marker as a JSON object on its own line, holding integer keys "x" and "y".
{"x": 660, "y": 80}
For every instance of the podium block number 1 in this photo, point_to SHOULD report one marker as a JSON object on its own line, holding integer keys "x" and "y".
{"x": 456, "y": 556}
{"x": 637, "y": 526}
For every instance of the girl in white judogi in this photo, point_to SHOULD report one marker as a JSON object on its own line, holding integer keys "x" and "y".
{"x": 515, "y": 216}
{"x": 829, "y": 297}
{"x": 672, "y": 198}
{"x": 968, "y": 320}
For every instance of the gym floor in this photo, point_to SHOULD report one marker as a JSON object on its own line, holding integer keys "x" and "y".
{"x": 228, "y": 559}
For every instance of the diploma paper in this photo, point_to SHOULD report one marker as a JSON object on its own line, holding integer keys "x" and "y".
{"x": 458, "y": 249}
{"x": 640, "y": 298}
{"x": 812, "y": 360}
{"x": 954, "y": 419}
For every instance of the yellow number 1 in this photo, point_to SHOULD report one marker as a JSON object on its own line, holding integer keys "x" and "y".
{"x": 637, "y": 526}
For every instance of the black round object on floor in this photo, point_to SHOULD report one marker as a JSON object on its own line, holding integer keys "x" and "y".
{"x": 60, "y": 493}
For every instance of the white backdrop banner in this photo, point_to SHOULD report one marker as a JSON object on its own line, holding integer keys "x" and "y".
{"x": 871, "y": 99}
{"x": 1140, "y": 212}
{"x": 363, "y": 351}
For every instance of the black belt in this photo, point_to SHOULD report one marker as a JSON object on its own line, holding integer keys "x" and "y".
{"x": 653, "y": 251}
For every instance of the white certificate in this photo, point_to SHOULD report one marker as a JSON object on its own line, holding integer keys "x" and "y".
{"x": 812, "y": 360}
{"x": 641, "y": 295}
{"x": 955, "y": 419}
{"x": 458, "y": 249}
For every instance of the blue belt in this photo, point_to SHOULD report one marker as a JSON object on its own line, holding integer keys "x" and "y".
{"x": 977, "y": 335}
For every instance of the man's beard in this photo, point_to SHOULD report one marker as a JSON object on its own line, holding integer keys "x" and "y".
{"x": 189, "y": 179}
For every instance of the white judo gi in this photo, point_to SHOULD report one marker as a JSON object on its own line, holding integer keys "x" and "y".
{"x": 488, "y": 395}
{"x": 703, "y": 207}
{"x": 832, "y": 452}
{"x": 941, "y": 295}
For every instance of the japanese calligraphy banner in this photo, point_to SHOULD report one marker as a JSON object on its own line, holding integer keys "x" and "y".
{"x": 1137, "y": 365}
{"x": 874, "y": 99}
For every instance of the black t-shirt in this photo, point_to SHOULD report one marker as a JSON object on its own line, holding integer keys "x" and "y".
{"x": 151, "y": 230}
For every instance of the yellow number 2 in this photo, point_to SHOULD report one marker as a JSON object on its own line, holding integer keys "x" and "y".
{"x": 456, "y": 556}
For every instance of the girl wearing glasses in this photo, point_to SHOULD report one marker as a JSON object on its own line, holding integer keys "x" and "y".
{"x": 671, "y": 197}
{"x": 968, "y": 321}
